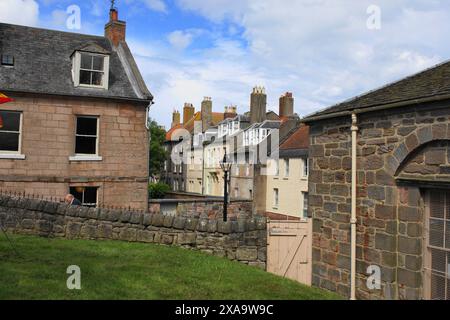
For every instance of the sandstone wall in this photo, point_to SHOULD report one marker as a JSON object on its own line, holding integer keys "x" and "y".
{"x": 208, "y": 208}
{"x": 399, "y": 152}
{"x": 48, "y": 140}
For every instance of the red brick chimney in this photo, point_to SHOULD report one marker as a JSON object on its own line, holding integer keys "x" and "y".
{"x": 188, "y": 112}
{"x": 115, "y": 29}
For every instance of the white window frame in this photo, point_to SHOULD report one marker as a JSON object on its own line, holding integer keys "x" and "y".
{"x": 276, "y": 197}
{"x": 76, "y": 69}
{"x": 87, "y": 156}
{"x": 82, "y": 199}
{"x": 305, "y": 170}
{"x": 286, "y": 168}
{"x": 305, "y": 205}
{"x": 15, "y": 155}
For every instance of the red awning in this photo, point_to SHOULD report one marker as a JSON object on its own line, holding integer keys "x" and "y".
{"x": 4, "y": 99}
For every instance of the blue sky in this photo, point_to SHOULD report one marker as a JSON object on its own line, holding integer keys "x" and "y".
{"x": 321, "y": 50}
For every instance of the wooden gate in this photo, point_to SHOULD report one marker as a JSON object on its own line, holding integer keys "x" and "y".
{"x": 289, "y": 251}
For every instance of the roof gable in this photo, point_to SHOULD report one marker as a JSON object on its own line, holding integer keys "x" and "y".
{"x": 93, "y": 48}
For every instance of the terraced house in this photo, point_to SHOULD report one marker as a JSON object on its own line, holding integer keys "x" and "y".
{"x": 78, "y": 120}
{"x": 379, "y": 191}
{"x": 182, "y": 140}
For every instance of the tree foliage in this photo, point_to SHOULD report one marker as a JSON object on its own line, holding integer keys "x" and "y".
{"x": 157, "y": 153}
{"x": 158, "y": 190}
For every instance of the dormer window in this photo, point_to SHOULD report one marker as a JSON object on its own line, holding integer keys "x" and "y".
{"x": 90, "y": 70}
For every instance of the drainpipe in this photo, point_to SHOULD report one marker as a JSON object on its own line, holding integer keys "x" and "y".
{"x": 353, "y": 220}
{"x": 147, "y": 126}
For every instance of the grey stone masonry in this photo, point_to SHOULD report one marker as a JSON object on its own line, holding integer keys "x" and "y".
{"x": 243, "y": 240}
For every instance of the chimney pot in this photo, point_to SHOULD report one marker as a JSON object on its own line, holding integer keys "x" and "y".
{"x": 115, "y": 29}
{"x": 258, "y": 105}
{"x": 230, "y": 112}
{"x": 113, "y": 15}
{"x": 188, "y": 112}
{"x": 206, "y": 113}
{"x": 175, "y": 118}
{"x": 286, "y": 106}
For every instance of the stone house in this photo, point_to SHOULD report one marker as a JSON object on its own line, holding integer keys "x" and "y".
{"x": 179, "y": 142}
{"x": 78, "y": 120}
{"x": 203, "y": 134}
{"x": 172, "y": 173}
{"x": 201, "y": 147}
{"x": 283, "y": 190}
{"x": 212, "y": 172}
{"x": 232, "y": 129}
{"x": 383, "y": 159}
{"x": 260, "y": 129}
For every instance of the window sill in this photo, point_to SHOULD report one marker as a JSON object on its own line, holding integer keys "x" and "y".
{"x": 86, "y": 158}
{"x": 13, "y": 156}
{"x": 87, "y": 86}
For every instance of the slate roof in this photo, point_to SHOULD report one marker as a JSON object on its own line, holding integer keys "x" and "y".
{"x": 432, "y": 82}
{"x": 217, "y": 117}
{"x": 266, "y": 124}
{"x": 239, "y": 117}
{"x": 43, "y": 64}
{"x": 270, "y": 115}
{"x": 297, "y": 143}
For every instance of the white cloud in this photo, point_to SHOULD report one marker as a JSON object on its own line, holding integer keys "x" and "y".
{"x": 180, "y": 39}
{"x": 156, "y": 5}
{"x": 323, "y": 51}
{"x": 216, "y": 10}
{"x": 22, "y": 12}
{"x": 175, "y": 79}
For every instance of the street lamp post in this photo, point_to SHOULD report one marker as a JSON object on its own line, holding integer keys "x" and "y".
{"x": 226, "y": 167}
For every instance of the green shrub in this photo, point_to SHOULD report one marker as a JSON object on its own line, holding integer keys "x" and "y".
{"x": 158, "y": 190}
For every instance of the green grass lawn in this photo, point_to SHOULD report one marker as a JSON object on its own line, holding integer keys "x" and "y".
{"x": 122, "y": 270}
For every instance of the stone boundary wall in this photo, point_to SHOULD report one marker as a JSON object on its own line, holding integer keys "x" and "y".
{"x": 243, "y": 239}
{"x": 208, "y": 209}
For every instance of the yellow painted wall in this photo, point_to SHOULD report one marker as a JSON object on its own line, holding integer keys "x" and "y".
{"x": 291, "y": 188}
